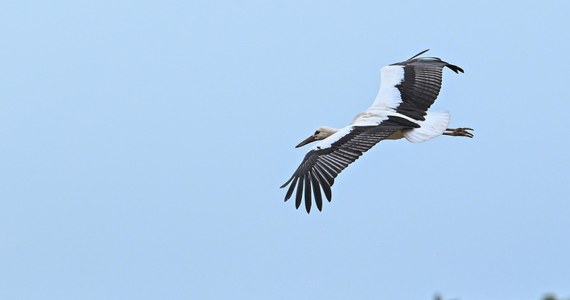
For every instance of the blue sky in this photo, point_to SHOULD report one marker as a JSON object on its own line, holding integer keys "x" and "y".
{"x": 143, "y": 144}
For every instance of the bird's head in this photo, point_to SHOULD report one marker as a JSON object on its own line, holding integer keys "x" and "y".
{"x": 320, "y": 134}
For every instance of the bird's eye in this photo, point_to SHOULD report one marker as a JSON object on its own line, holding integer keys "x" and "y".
{"x": 317, "y": 132}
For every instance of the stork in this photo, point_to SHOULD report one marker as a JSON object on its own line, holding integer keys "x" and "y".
{"x": 400, "y": 110}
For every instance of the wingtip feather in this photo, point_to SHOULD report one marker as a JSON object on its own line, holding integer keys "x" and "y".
{"x": 299, "y": 195}
{"x": 308, "y": 200}
{"x": 418, "y": 54}
{"x": 454, "y": 68}
{"x": 291, "y": 188}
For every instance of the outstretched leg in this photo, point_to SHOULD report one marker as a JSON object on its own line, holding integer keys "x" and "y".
{"x": 458, "y": 132}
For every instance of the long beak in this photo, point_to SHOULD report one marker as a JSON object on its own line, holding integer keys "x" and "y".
{"x": 306, "y": 141}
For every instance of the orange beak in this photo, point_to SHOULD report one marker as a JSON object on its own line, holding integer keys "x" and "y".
{"x": 306, "y": 141}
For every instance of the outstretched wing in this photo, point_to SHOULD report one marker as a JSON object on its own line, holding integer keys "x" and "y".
{"x": 321, "y": 166}
{"x": 410, "y": 87}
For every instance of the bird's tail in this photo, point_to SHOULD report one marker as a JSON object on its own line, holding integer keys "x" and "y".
{"x": 433, "y": 126}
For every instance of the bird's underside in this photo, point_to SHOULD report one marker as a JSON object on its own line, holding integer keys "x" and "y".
{"x": 400, "y": 110}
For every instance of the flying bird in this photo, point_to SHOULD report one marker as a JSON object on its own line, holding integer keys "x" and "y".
{"x": 400, "y": 110}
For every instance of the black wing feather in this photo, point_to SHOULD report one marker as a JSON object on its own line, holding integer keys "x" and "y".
{"x": 299, "y": 195}
{"x": 308, "y": 191}
{"x": 317, "y": 191}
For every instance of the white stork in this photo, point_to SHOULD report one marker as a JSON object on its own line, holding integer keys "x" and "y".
{"x": 400, "y": 110}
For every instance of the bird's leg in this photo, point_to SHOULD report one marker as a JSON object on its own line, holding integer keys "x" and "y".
{"x": 459, "y": 132}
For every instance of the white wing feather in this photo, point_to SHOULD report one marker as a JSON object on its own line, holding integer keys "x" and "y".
{"x": 388, "y": 97}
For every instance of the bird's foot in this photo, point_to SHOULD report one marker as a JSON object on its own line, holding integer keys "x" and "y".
{"x": 459, "y": 132}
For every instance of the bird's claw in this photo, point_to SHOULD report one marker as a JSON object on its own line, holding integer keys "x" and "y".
{"x": 464, "y": 131}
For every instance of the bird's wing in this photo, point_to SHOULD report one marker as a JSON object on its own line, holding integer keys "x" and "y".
{"x": 410, "y": 87}
{"x": 322, "y": 165}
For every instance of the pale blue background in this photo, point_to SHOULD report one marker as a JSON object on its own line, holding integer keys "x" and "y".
{"x": 142, "y": 145}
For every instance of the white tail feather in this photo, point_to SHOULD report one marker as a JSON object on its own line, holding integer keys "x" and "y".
{"x": 433, "y": 126}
